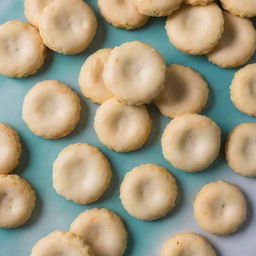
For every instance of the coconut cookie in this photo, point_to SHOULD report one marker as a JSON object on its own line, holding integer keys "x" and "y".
{"x": 90, "y": 78}
{"x": 189, "y": 244}
{"x": 81, "y": 173}
{"x": 61, "y": 243}
{"x": 17, "y": 201}
{"x": 122, "y": 14}
{"x": 10, "y": 149}
{"x": 245, "y": 8}
{"x": 185, "y": 91}
{"x": 195, "y": 29}
{"x": 233, "y": 50}
{"x": 22, "y": 51}
{"x": 191, "y": 142}
{"x": 33, "y": 10}
{"x": 243, "y": 90}
{"x": 67, "y": 26}
{"x": 158, "y": 8}
{"x": 51, "y": 109}
{"x": 121, "y": 127}
{"x": 102, "y": 230}
{"x": 135, "y": 73}
{"x": 148, "y": 192}
{"x": 241, "y": 149}
{"x": 220, "y": 208}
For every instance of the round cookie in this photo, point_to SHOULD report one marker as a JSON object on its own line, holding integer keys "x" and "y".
{"x": 220, "y": 208}
{"x": 243, "y": 90}
{"x": 158, "y": 8}
{"x": 135, "y": 73}
{"x": 121, "y": 127}
{"x": 198, "y": 2}
{"x": 191, "y": 142}
{"x": 51, "y": 109}
{"x": 91, "y": 80}
{"x": 232, "y": 50}
{"x": 17, "y": 201}
{"x": 61, "y": 243}
{"x": 33, "y": 10}
{"x": 195, "y": 29}
{"x": 67, "y": 26}
{"x": 10, "y": 148}
{"x": 102, "y": 230}
{"x": 187, "y": 244}
{"x": 148, "y": 192}
{"x": 81, "y": 173}
{"x": 22, "y": 51}
{"x": 241, "y": 150}
{"x": 122, "y": 14}
{"x": 185, "y": 91}
{"x": 245, "y": 8}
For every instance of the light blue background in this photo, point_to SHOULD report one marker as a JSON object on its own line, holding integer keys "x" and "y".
{"x": 54, "y": 212}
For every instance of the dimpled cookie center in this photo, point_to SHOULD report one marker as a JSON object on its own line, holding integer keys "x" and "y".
{"x": 196, "y": 22}
{"x": 5, "y": 202}
{"x": 252, "y": 87}
{"x": 219, "y": 208}
{"x": 190, "y": 142}
{"x": 49, "y": 106}
{"x": 249, "y": 149}
{"x": 149, "y": 191}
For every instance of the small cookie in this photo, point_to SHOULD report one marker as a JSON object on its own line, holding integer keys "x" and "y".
{"x": 67, "y": 26}
{"x": 158, "y": 8}
{"x": 189, "y": 244}
{"x": 33, "y": 10}
{"x": 135, "y": 73}
{"x": 122, "y": 14}
{"x": 121, "y": 127}
{"x": 195, "y": 29}
{"x": 220, "y": 208}
{"x": 148, "y": 192}
{"x": 241, "y": 149}
{"x": 62, "y": 244}
{"x": 198, "y": 2}
{"x": 102, "y": 230}
{"x": 90, "y": 78}
{"x": 51, "y": 109}
{"x": 245, "y": 8}
{"x": 81, "y": 173}
{"x": 191, "y": 142}
{"x": 17, "y": 201}
{"x": 233, "y": 50}
{"x": 243, "y": 90}
{"x": 185, "y": 91}
{"x": 22, "y": 51}
{"x": 10, "y": 149}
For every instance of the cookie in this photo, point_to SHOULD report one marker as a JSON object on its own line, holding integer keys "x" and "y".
{"x": 51, "y": 109}
{"x": 91, "y": 81}
{"x": 242, "y": 90}
{"x": 17, "y": 201}
{"x": 22, "y": 51}
{"x": 240, "y": 149}
{"x": 122, "y": 14}
{"x": 81, "y": 173}
{"x": 220, "y": 208}
{"x": 198, "y": 2}
{"x": 61, "y": 243}
{"x": 148, "y": 192}
{"x": 33, "y": 10}
{"x": 135, "y": 73}
{"x": 102, "y": 230}
{"x": 10, "y": 149}
{"x": 121, "y": 127}
{"x": 191, "y": 142}
{"x": 232, "y": 50}
{"x": 67, "y": 26}
{"x": 195, "y": 29}
{"x": 187, "y": 244}
{"x": 245, "y": 8}
{"x": 158, "y": 8}
{"x": 185, "y": 91}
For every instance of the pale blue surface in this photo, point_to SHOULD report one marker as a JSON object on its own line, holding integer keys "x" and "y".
{"x": 54, "y": 212}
